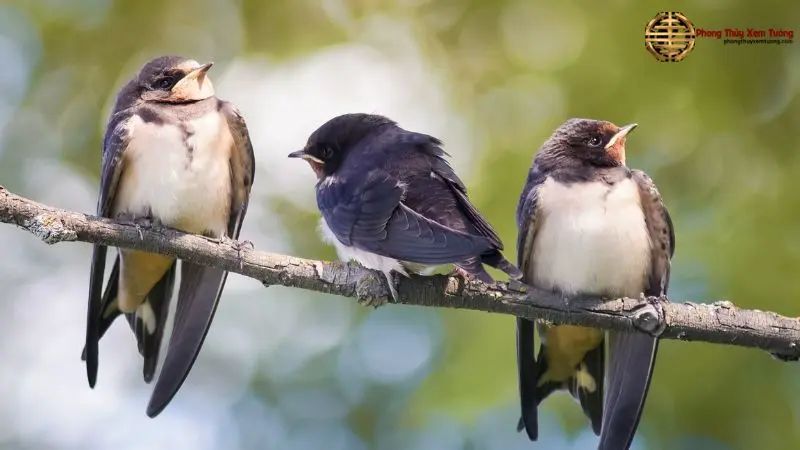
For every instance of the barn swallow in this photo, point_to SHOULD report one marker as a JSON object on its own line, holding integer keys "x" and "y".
{"x": 174, "y": 155}
{"x": 590, "y": 225}
{"x": 390, "y": 200}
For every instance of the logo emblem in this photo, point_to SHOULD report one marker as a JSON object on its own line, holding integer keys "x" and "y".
{"x": 669, "y": 37}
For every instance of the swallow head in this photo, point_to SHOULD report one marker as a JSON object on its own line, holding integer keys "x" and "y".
{"x": 174, "y": 79}
{"x": 596, "y": 142}
{"x": 328, "y": 146}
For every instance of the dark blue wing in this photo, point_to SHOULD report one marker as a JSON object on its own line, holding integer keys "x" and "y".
{"x": 632, "y": 355}
{"x": 444, "y": 170}
{"x": 527, "y": 210}
{"x": 114, "y": 143}
{"x": 368, "y": 213}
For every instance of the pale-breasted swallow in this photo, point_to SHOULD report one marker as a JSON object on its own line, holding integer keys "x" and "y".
{"x": 390, "y": 200}
{"x": 590, "y": 225}
{"x": 176, "y": 155}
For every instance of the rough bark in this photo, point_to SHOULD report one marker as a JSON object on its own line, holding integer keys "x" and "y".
{"x": 720, "y": 322}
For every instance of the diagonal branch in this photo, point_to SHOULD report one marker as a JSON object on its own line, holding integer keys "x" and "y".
{"x": 720, "y": 322}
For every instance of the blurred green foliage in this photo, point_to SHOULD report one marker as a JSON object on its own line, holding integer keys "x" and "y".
{"x": 717, "y": 133}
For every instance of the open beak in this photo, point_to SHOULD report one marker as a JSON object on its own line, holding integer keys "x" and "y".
{"x": 199, "y": 74}
{"x": 306, "y": 156}
{"x": 620, "y": 135}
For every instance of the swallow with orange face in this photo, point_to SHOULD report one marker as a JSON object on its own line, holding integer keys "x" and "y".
{"x": 589, "y": 225}
{"x": 176, "y": 155}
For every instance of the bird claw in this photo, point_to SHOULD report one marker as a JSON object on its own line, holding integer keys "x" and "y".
{"x": 239, "y": 246}
{"x": 242, "y": 245}
{"x": 141, "y": 223}
{"x": 650, "y": 317}
{"x": 392, "y": 281}
{"x": 369, "y": 294}
{"x": 466, "y": 276}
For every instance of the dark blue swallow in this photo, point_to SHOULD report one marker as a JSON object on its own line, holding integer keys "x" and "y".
{"x": 390, "y": 200}
{"x": 176, "y": 155}
{"x": 590, "y": 225}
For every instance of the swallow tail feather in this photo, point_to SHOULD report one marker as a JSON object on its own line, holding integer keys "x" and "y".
{"x": 148, "y": 323}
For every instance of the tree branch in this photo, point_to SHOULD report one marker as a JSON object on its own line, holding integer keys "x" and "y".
{"x": 720, "y": 322}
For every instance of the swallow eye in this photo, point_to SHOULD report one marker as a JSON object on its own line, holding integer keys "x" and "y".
{"x": 166, "y": 82}
{"x": 327, "y": 152}
{"x": 162, "y": 83}
{"x": 594, "y": 141}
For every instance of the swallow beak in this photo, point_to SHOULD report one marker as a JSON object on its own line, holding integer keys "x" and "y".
{"x": 198, "y": 73}
{"x": 304, "y": 155}
{"x": 620, "y": 135}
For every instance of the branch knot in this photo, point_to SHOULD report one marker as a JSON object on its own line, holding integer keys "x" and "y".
{"x": 50, "y": 229}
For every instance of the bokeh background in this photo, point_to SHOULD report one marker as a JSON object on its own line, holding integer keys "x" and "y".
{"x": 288, "y": 369}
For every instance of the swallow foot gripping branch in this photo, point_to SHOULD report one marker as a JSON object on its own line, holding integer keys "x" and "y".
{"x": 374, "y": 290}
{"x": 141, "y": 223}
{"x": 467, "y": 280}
{"x": 50, "y": 229}
{"x": 650, "y": 316}
{"x": 240, "y": 246}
